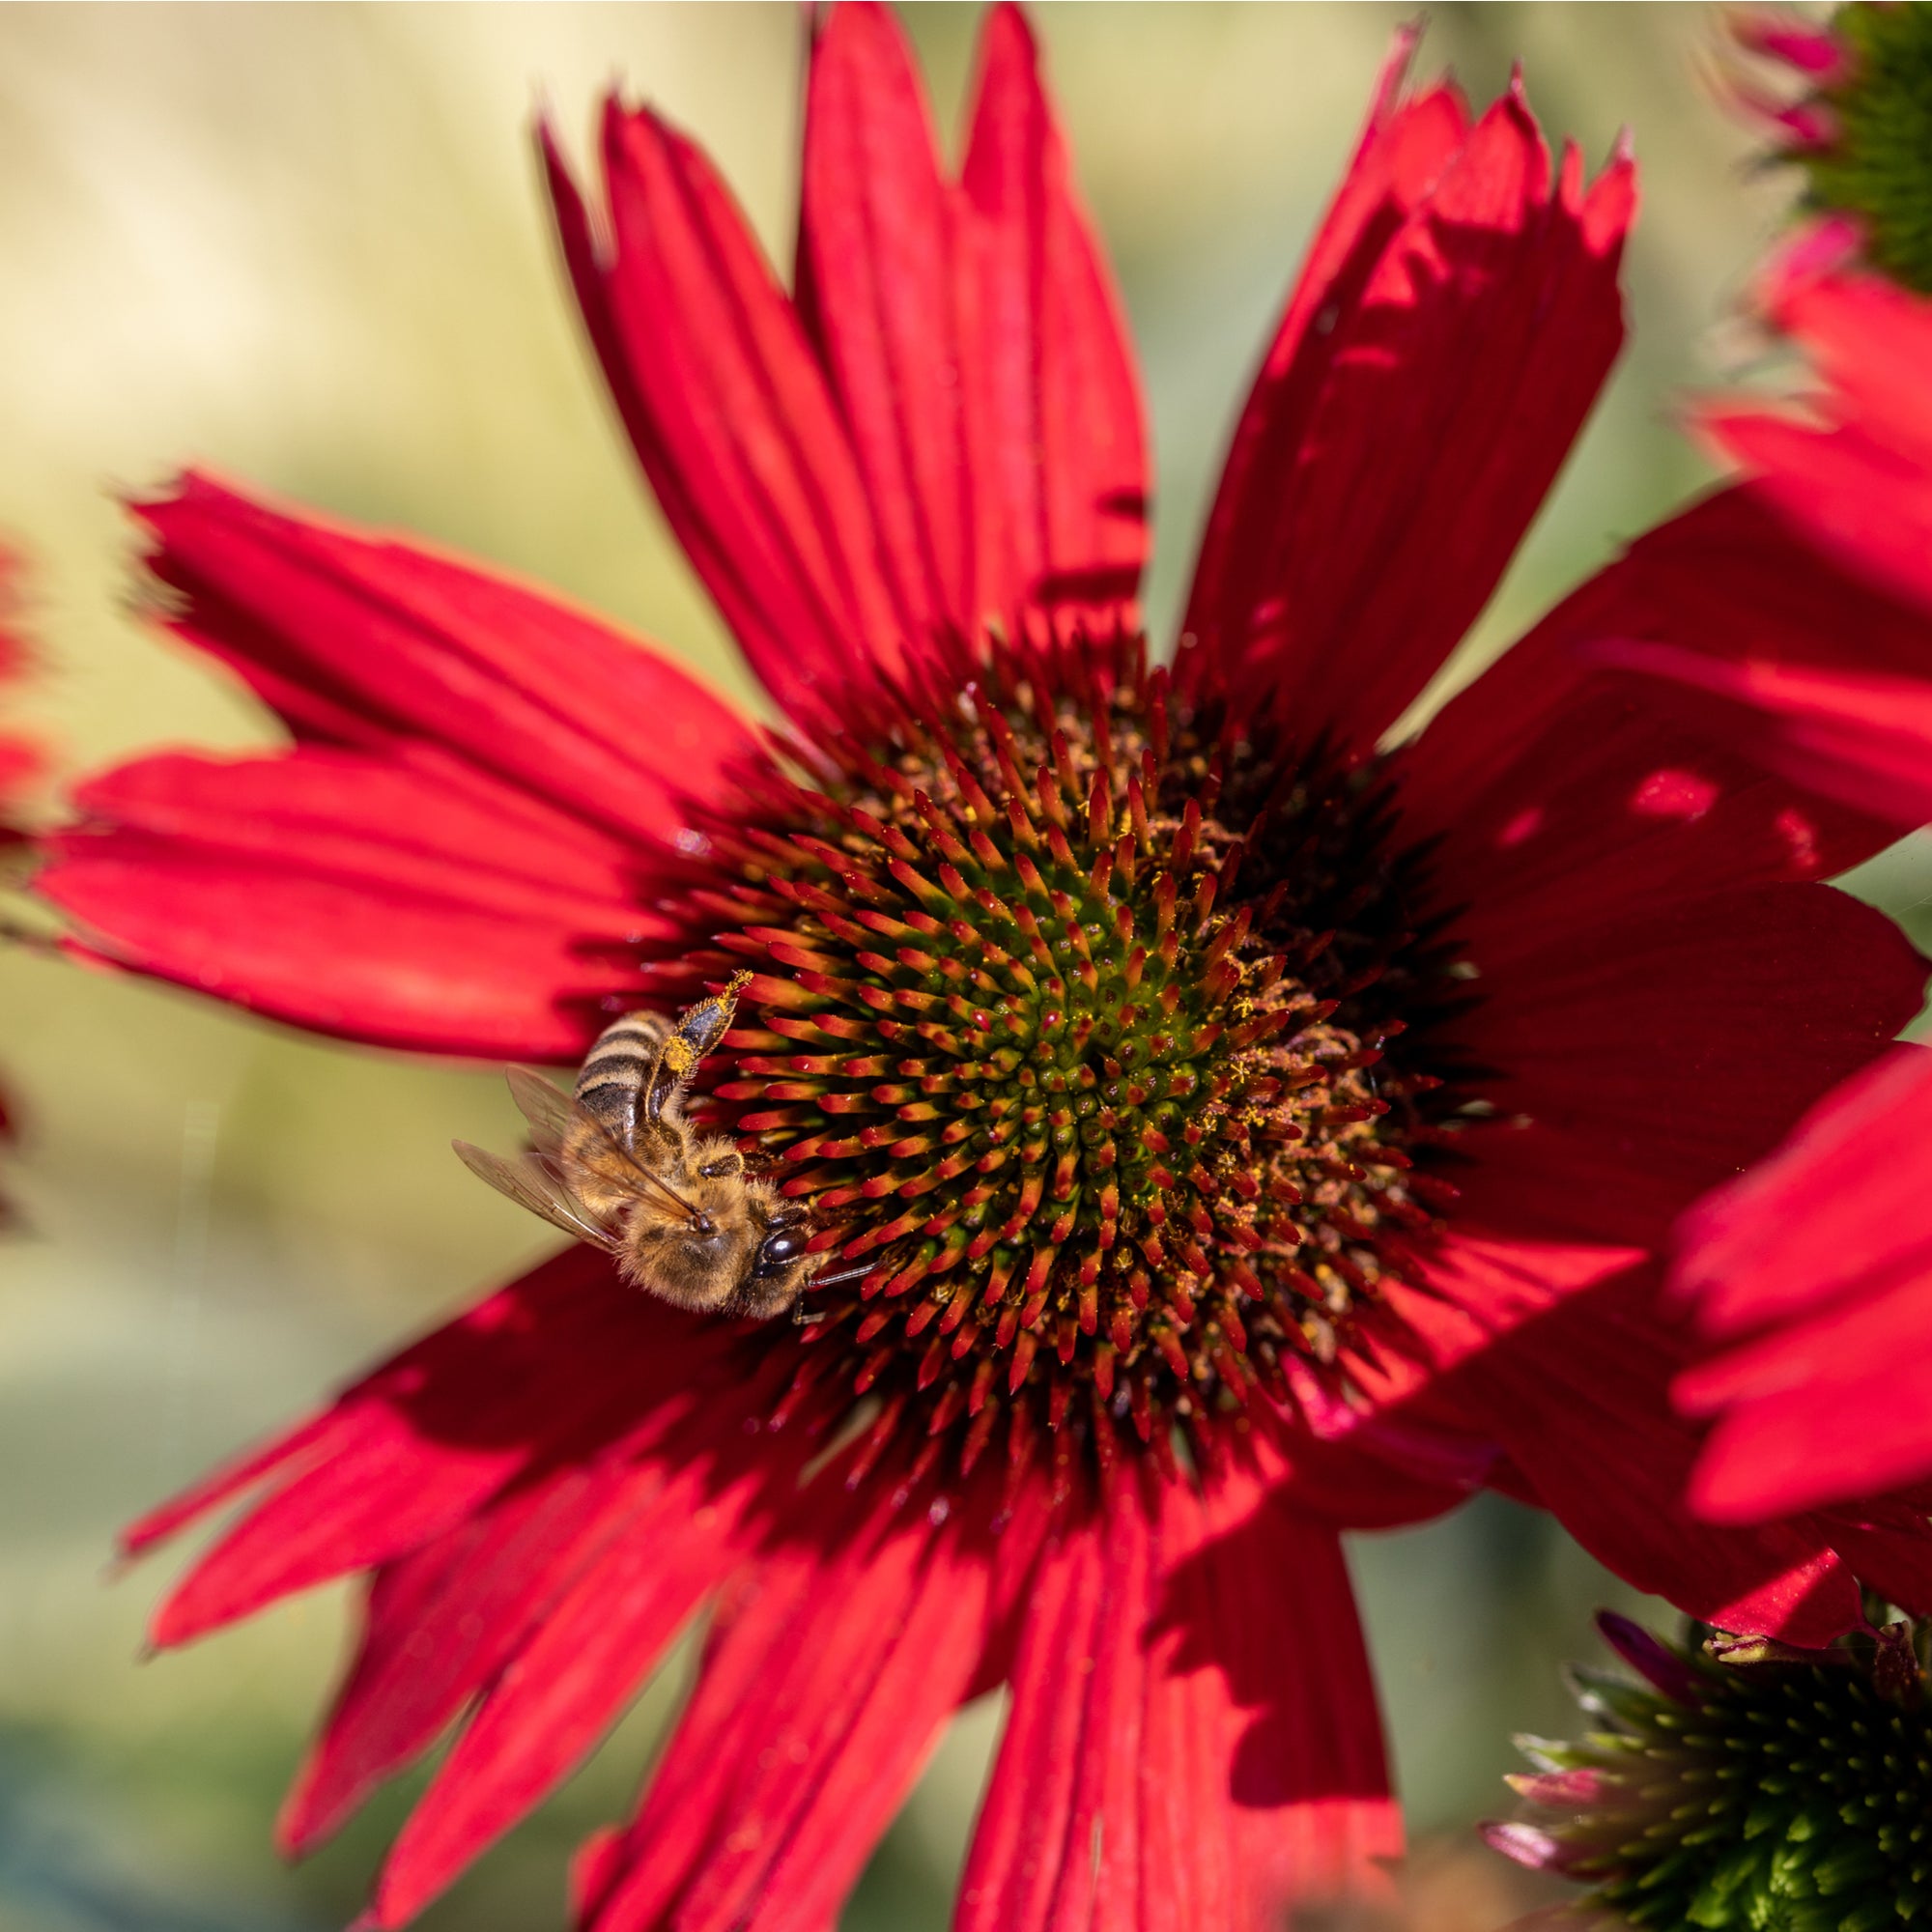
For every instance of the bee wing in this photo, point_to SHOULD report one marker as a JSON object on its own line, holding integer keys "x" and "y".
{"x": 552, "y": 1115}
{"x": 531, "y": 1184}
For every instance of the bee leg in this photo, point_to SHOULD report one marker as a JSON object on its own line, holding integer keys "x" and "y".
{"x": 699, "y": 1029}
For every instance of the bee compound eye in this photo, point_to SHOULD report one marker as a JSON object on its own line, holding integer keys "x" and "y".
{"x": 781, "y": 1248}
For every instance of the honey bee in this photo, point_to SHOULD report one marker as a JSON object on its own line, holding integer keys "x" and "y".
{"x": 616, "y": 1164}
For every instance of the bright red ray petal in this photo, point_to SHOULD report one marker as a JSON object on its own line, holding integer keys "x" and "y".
{"x": 1412, "y": 414}
{"x": 1546, "y": 766}
{"x": 455, "y": 855}
{"x": 1864, "y": 740}
{"x": 888, "y": 289}
{"x": 1577, "y": 1398}
{"x": 1638, "y": 1063}
{"x": 1403, "y": 150}
{"x": 396, "y": 644}
{"x": 1826, "y": 1415}
{"x": 439, "y": 1623}
{"x": 1857, "y": 490}
{"x": 1816, "y": 1267}
{"x": 560, "y": 1290}
{"x": 1169, "y": 1762}
{"x": 1854, "y": 477}
{"x": 1067, "y": 442}
{"x": 1055, "y": 1843}
{"x": 1577, "y": 805}
{"x": 418, "y": 905}
{"x": 554, "y": 1369}
{"x": 832, "y": 1668}
{"x": 581, "y": 1663}
{"x": 730, "y": 417}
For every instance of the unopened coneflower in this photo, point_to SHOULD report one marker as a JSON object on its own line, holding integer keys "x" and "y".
{"x": 1740, "y": 1784}
{"x": 1240, "y": 1128}
{"x": 1848, "y": 99}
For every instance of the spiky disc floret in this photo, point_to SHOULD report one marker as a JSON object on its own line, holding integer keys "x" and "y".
{"x": 1085, "y": 1021}
{"x": 1742, "y": 1785}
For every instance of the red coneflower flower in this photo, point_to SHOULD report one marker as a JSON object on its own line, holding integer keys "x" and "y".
{"x": 1130, "y": 1022}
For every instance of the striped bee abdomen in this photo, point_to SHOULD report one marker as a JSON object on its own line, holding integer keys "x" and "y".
{"x": 612, "y": 1084}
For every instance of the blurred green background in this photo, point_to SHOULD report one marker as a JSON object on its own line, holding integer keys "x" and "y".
{"x": 305, "y": 245}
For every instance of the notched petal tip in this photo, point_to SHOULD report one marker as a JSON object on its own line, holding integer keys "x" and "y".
{"x": 1393, "y": 77}
{"x": 1610, "y": 205}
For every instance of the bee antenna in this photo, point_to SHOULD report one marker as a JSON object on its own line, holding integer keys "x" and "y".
{"x": 857, "y": 1272}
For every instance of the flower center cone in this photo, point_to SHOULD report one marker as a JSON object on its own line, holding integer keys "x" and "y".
{"x": 1090, "y": 1019}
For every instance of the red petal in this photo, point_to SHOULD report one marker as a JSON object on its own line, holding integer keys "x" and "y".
{"x": 1561, "y": 807}
{"x": 1823, "y": 1415}
{"x": 1578, "y": 1398}
{"x": 1860, "y": 491}
{"x": 1864, "y": 740}
{"x": 1055, "y": 1843}
{"x": 1823, "y": 1253}
{"x": 1357, "y": 1471}
{"x": 1550, "y": 783}
{"x": 1724, "y": 576}
{"x": 1400, "y": 155}
{"x": 581, "y": 1663}
{"x": 309, "y": 1441}
{"x": 886, "y": 285}
{"x": 554, "y": 1366}
{"x": 1174, "y": 1758}
{"x": 1312, "y": 1812}
{"x": 829, "y": 1674}
{"x": 1069, "y": 446}
{"x": 1638, "y": 1064}
{"x": 386, "y": 643}
{"x": 730, "y": 417}
{"x": 1457, "y": 320}
{"x": 1886, "y": 1543}
{"x": 434, "y": 979}
{"x": 1870, "y": 337}
{"x": 441, "y": 1622}
{"x": 556, "y": 1293}
{"x": 349, "y": 813}
{"x": 1838, "y": 1208}
{"x": 420, "y": 904}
